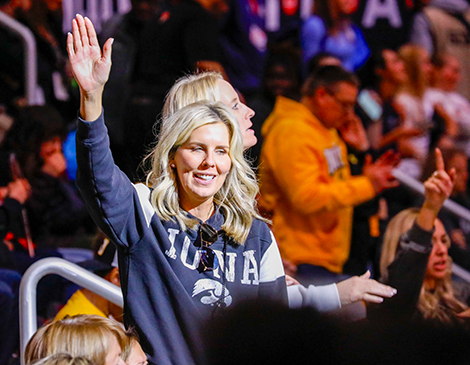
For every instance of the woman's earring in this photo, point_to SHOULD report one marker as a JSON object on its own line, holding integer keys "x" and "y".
{"x": 172, "y": 165}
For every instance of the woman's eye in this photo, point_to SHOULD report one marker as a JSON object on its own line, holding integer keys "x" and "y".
{"x": 446, "y": 240}
{"x": 221, "y": 151}
{"x": 235, "y": 106}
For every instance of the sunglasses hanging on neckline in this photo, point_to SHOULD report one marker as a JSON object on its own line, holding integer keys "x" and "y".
{"x": 208, "y": 235}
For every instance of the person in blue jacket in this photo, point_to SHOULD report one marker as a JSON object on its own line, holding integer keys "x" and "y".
{"x": 329, "y": 29}
{"x": 190, "y": 241}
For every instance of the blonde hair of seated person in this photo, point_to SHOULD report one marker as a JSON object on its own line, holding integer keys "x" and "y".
{"x": 88, "y": 336}
{"x": 64, "y": 359}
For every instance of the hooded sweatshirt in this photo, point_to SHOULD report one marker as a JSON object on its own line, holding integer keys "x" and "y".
{"x": 306, "y": 182}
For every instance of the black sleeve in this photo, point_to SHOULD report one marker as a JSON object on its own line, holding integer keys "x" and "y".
{"x": 10, "y": 211}
{"x": 406, "y": 274}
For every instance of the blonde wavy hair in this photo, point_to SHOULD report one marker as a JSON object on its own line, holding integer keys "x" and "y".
{"x": 190, "y": 89}
{"x": 429, "y": 300}
{"x": 64, "y": 359}
{"x": 236, "y": 198}
{"x": 86, "y": 336}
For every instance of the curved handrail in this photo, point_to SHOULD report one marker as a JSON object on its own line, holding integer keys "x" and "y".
{"x": 66, "y": 269}
{"x": 30, "y": 75}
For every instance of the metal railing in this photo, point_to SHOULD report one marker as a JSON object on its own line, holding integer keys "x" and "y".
{"x": 30, "y": 56}
{"x": 418, "y": 187}
{"x": 68, "y": 270}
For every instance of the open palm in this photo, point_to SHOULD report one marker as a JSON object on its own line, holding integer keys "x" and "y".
{"x": 89, "y": 65}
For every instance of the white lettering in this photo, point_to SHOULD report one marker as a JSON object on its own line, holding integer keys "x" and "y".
{"x": 171, "y": 253}
{"x": 381, "y": 9}
{"x": 333, "y": 159}
{"x": 184, "y": 255}
{"x": 230, "y": 273}
{"x": 250, "y": 258}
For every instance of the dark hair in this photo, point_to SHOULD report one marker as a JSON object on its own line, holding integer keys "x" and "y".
{"x": 33, "y": 126}
{"x": 328, "y": 77}
{"x": 315, "y": 62}
{"x": 368, "y": 72}
{"x": 288, "y": 57}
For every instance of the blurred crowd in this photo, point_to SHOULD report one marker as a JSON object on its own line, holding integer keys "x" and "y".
{"x": 340, "y": 95}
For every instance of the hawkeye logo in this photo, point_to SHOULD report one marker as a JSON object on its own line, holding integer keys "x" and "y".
{"x": 210, "y": 291}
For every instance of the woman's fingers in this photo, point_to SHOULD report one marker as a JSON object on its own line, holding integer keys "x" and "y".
{"x": 360, "y": 288}
{"x": 107, "y": 48}
{"x": 372, "y": 298}
{"x": 431, "y": 185}
{"x": 83, "y": 30}
{"x": 443, "y": 181}
{"x": 439, "y": 160}
{"x": 378, "y": 289}
{"x": 92, "y": 38}
{"x": 76, "y": 36}
{"x": 70, "y": 48}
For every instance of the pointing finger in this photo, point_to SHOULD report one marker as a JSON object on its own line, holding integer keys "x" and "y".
{"x": 439, "y": 160}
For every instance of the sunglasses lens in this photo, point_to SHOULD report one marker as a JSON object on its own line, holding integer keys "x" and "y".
{"x": 209, "y": 260}
{"x": 208, "y": 233}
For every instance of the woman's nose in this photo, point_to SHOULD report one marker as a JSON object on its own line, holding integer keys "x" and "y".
{"x": 250, "y": 113}
{"x": 441, "y": 248}
{"x": 209, "y": 160}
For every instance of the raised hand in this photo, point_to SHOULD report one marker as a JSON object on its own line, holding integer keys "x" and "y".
{"x": 439, "y": 186}
{"x": 354, "y": 134}
{"x": 436, "y": 190}
{"x": 89, "y": 65}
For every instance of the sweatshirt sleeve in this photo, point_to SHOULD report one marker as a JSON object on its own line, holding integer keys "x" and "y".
{"x": 323, "y": 298}
{"x": 272, "y": 278}
{"x": 113, "y": 201}
{"x": 406, "y": 274}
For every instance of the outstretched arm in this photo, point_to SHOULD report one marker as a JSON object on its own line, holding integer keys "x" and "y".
{"x": 364, "y": 288}
{"x": 326, "y": 298}
{"x": 90, "y": 66}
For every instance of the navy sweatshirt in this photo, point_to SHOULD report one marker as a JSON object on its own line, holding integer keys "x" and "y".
{"x": 165, "y": 298}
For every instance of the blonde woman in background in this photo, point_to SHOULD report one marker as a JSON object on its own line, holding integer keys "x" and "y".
{"x": 415, "y": 261}
{"x": 419, "y": 111}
